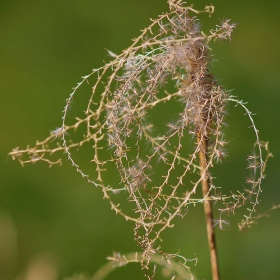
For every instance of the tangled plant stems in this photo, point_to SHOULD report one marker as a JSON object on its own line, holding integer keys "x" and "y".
{"x": 165, "y": 67}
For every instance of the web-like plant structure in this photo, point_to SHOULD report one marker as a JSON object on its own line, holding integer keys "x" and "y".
{"x": 150, "y": 111}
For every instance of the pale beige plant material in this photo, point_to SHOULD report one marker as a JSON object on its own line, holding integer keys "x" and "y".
{"x": 150, "y": 111}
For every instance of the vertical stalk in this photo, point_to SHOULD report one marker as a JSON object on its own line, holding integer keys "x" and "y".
{"x": 208, "y": 207}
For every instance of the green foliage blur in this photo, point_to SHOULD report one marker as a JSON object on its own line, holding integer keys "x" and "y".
{"x": 52, "y": 222}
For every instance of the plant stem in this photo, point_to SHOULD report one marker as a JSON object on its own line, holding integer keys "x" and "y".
{"x": 208, "y": 207}
{"x": 121, "y": 260}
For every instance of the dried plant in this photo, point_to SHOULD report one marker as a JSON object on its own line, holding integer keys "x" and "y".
{"x": 156, "y": 115}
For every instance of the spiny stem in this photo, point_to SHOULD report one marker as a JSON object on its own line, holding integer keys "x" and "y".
{"x": 208, "y": 207}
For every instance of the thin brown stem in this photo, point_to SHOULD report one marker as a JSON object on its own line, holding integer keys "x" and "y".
{"x": 208, "y": 207}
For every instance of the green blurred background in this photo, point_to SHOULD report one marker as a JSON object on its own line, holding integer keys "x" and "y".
{"x": 51, "y": 220}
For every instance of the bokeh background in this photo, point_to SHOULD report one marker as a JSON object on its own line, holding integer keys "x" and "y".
{"x": 53, "y": 224}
